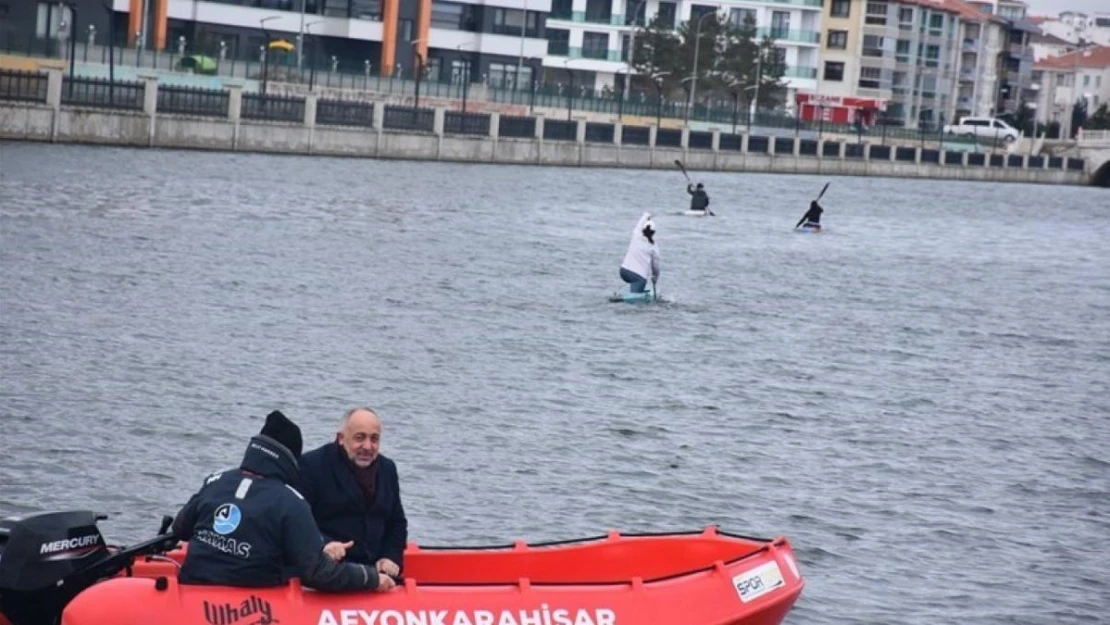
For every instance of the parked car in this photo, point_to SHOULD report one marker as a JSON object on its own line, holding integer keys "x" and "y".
{"x": 984, "y": 127}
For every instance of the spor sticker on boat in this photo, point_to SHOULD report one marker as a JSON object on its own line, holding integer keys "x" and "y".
{"x": 758, "y": 581}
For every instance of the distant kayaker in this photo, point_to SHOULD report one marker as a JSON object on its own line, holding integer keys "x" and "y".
{"x": 700, "y": 199}
{"x": 246, "y": 526}
{"x": 812, "y": 218}
{"x": 355, "y": 494}
{"x": 642, "y": 258}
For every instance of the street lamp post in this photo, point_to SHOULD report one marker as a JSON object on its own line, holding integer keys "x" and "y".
{"x": 570, "y": 90}
{"x": 758, "y": 79}
{"x": 694, "y": 73}
{"x": 418, "y": 69}
{"x": 466, "y": 74}
{"x": 631, "y": 59}
{"x": 266, "y": 51}
{"x": 520, "y": 59}
{"x": 655, "y": 80}
{"x": 312, "y": 62}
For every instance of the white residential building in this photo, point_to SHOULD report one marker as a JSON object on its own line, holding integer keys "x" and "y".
{"x": 1083, "y": 74}
{"x": 592, "y": 38}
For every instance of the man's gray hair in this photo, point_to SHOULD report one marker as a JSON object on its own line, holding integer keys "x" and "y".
{"x": 347, "y": 415}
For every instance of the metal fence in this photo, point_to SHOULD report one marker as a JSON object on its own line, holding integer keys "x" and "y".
{"x": 103, "y": 93}
{"x": 635, "y": 135}
{"x": 458, "y": 123}
{"x": 23, "y": 86}
{"x": 189, "y": 101}
{"x": 409, "y": 118}
{"x": 272, "y": 108}
{"x": 558, "y": 130}
{"x": 599, "y": 133}
{"x": 516, "y": 127}
{"x": 342, "y": 113}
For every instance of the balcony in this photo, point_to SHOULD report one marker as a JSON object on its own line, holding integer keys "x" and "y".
{"x": 967, "y": 76}
{"x": 800, "y": 72}
{"x": 783, "y": 34}
{"x": 802, "y": 3}
{"x": 581, "y": 17}
{"x": 971, "y": 45}
{"x": 593, "y": 54}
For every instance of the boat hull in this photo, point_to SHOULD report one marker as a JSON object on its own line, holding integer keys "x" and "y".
{"x": 687, "y": 579}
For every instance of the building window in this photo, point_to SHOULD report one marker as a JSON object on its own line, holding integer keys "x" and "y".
{"x": 902, "y": 51}
{"x": 53, "y": 21}
{"x": 838, "y": 40}
{"x": 698, "y": 10}
{"x": 740, "y": 17}
{"x": 932, "y": 55}
{"x": 1087, "y": 81}
{"x": 595, "y": 45}
{"x": 447, "y": 15}
{"x": 834, "y": 71}
{"x": 370, "y": 9}
{"x": 599, "y": 11}
{"x": 504, "y": 76}
{"x": 510, "y": 22}
{"x": 558, "y": 41}
{"x": 406, "y": 30}
{"x": 335, "y": 8}
{"x": 562, "y": 9}
{"x": 460, "y": 71}
{"x": 872, "y": 46}
{"x": 640, "y": 19}
{"x": 666, "y": 14}
{"x": 869, "y": 77}
{"x": 876, "y": 14}
{"x": 840, "y": 8}
{"x": 780, "y": 25}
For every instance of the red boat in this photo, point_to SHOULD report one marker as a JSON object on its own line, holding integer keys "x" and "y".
{"x": 699, "y": 578}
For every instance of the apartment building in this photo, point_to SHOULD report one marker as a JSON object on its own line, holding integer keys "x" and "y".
{"x": 592, "y": 38}
{"x": 502, "y": 41}
{"x": 1073, "y": 27}
{"x": 1064, "y": 80}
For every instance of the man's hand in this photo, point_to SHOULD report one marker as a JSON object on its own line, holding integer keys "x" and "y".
{"x": 385, "y": 583}
{"x": 389, "y": 567}
{"x": 337, "y": 550}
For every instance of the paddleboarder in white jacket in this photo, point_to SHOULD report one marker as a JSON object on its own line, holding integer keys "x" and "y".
{"x": 642, "y": 258}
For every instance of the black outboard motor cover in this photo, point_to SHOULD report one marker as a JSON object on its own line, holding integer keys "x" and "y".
{"x": 38, "y": 554}
{"x": 39, "y": 550}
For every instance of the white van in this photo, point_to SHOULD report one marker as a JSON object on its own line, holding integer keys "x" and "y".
{"x": 984, "y": 127}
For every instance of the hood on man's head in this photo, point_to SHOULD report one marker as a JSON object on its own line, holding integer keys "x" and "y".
{"x": 284, "y": 431}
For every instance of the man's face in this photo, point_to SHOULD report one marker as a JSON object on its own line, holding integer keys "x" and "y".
{"x": 361, "y": 438}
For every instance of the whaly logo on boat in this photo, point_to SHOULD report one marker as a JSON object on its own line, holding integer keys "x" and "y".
{"x": 539, "y": 616}
{"x": 255, "y": 608}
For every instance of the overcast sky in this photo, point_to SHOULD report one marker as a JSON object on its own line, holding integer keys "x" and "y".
{"x": 1053, "y": 7}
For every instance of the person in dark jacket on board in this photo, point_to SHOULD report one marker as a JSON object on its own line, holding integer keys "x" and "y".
{"x": 247, "y": 527}
{"x": 355, "y": 494}
{"x": 812, "y": 218}
{"x": 699, "y": 200}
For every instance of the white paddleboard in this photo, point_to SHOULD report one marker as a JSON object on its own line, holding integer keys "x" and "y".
{"x": 694, "y": 214}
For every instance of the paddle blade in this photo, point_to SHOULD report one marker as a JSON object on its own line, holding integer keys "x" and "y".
{"x": 678, "y": 164}
{"x": 822, "y": 194}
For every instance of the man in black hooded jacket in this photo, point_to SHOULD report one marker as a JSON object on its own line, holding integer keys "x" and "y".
{"x": 246, "y": 526}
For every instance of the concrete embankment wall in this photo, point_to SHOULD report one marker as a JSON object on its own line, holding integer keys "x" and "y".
{"x": 579, "y": 143}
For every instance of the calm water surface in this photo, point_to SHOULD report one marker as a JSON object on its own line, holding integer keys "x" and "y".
{"x": 917, "y": 398}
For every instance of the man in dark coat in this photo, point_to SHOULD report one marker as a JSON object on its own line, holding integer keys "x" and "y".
{"x": 355, "y": 495}
{"x": 699, "y": 200}
{"x": 246, "y": 527}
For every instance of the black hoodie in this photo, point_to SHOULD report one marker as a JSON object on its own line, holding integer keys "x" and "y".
{"x": 244, "y": 527}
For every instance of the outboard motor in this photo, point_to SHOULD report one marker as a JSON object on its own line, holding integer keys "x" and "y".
{"x": 41, "y": 558}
